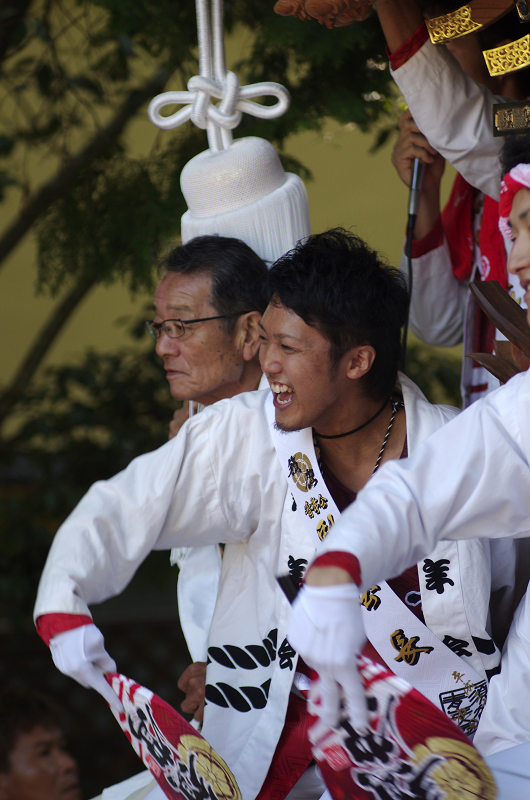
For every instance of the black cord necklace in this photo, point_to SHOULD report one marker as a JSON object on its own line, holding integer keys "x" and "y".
{"x": 349, "y": 433}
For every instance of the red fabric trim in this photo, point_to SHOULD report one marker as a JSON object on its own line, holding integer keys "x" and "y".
{"x": 431, "y": 240}
{"x": 491, "y": 243}
{"x": 408, "y": 48}
{"x": 338, "y": 558}
{"x": 292, "y": 755}
{"x": 457, "y": 221}
{"x": 481, "y": 387}
{"x": 49, "y": 625}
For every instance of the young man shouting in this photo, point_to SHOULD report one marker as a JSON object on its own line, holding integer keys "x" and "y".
{"x": 263, "y": 472}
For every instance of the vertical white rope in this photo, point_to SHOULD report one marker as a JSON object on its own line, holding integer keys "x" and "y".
{"x": 219, "y": 59}
{"x": 203, "y": 36}
{"x": 219, "y": 62}
{"x": 205, "y": 69}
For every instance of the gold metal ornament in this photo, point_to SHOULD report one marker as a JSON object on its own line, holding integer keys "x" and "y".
{"x": 452, "y": 26}
{"x": 509, "y": 57}
{"x": 511, "y": 118}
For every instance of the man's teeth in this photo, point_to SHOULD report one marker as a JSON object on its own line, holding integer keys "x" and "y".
{"x": 281, "y": 388}
{"x": 277, "y": 388}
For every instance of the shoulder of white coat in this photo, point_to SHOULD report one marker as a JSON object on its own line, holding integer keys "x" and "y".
{"x": 237, "y": 419}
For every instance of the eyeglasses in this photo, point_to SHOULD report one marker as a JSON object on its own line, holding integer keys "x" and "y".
{"x": 174, "y": 328}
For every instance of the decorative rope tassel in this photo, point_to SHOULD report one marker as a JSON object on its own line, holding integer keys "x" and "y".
{"x": 234, "y": 188}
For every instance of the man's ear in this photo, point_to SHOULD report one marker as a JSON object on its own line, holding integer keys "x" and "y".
{"x": 359, "y": 361}
{"x": 248, "y": 335}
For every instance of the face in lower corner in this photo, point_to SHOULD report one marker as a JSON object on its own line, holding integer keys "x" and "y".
{"x": 40, "y": 768}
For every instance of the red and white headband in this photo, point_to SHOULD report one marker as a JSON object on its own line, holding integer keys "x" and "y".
{"x": 516, "y": 179}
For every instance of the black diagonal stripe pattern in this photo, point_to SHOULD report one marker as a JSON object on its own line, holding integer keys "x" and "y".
{"x": 251, "y": 657}
{"x": 243, "y": 699}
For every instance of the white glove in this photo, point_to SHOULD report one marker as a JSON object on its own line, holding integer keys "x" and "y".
{"x": 326, "y": 629}
{"x": 78, "y": 653}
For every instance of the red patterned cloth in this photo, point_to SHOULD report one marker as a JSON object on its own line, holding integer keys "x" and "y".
{"x": 292, "y": 755}
{"x": 457, "y": 222}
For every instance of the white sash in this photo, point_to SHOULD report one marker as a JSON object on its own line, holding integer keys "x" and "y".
{"x": 424, "y": 661}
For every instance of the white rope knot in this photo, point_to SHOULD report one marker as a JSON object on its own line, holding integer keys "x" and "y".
{"x": 216, "y": 82}
{"x": 226, "y": 114}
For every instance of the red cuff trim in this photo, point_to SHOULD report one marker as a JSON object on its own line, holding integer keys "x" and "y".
{"x": 346, "y": 561}
{"x": 408, "y": 48}
{"x": 50, "y": 625}
{"x": 431, "y": 240}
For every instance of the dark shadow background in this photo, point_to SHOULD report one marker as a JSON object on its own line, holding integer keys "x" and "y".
{"x": 143, "y": 635}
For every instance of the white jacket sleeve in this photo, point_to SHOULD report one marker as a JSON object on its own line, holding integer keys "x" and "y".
{"x": 470, "y": 479}
{"x": 455, "y": 114}
{"x": 170, "y": 497}
{"x": 439, "y": 299}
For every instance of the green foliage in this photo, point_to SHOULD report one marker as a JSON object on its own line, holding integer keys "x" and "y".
{"x": 82, "y": 423}
{"x": 116, "y": 218}
{"x": 437, "y": 376}
{"x": 77, "y": 62}
{"x": 79, "y": 59}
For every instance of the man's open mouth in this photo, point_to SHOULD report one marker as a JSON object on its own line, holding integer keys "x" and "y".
{"x": 283, "y": 393}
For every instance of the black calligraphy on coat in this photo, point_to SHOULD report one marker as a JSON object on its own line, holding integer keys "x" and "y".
{"x": 436, "y": 574}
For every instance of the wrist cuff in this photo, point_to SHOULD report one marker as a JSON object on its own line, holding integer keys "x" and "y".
{"x": 408, "y": 48}
{"x": 49, "y": 625}
{"x": 346, "y": 561}
{"x": 431, "y": 240}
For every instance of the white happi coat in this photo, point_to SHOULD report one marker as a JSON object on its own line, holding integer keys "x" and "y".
{"x": 454, "y": 113}
{"x": 219, "y": 480}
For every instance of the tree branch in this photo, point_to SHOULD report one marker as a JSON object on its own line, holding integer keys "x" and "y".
{"x": 42, "y": 343}
{"x": 13, "y": 13}
{"x": 65, "y": 179}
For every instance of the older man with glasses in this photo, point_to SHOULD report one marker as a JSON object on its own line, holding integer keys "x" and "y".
{"x": 207, "y": 308}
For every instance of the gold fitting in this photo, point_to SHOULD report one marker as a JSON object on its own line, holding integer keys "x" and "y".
{"x": 508, "y": 58}
{"x": 452, "y": 26}
{"x": 511, "y": 118}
